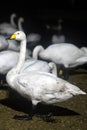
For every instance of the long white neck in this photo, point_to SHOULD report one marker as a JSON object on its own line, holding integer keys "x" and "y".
{"x": 21, "y": 56}
{"x": 12, "y": 20}
{"x": 20, "y": 21}
{"x": 12, "y": 74}
{"x": 37, "y": 50}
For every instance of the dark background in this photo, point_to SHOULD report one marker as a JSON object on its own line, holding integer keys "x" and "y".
{"x": 39, "y": 13}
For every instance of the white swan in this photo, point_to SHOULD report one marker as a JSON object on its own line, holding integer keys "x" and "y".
{"x": 33, "y": 37}
{"x": 67, "y": 54}
{"x": 5, "y": 25}
{"x": 64, "y": 53}
{"x": 38, "y": 86}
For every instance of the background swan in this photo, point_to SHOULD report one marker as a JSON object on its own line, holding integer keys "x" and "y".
{"x": 20, "y": 22}
{"x": 58, "y": 37}
{"x": 5, "y": 25}
{"x": 8, "y": 28}
{"x": 38, "y": 86}
{"x": 66, "y": 54}
{"x": 33, "y": 37}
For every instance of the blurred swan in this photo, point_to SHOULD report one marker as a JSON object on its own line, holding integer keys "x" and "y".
{"x": 66, "y": 54}
{"x": 33, "y": 37}
{"x": 58, "y": 38}
{"x": 20, "y": 22}
{"x": 63, "y": 53}
{"x": 5, "y": 25}
{"x": 8, "y": 30}
{"x": 38, "y": 86}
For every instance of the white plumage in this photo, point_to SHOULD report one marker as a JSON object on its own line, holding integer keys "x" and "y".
{"x": 38, "y": 86}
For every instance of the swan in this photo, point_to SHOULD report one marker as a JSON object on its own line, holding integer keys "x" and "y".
{"x": 8, "y": 28}
{"x": 58, "y": 38}
{"x": 12, "y": 23}
{"x": 66, "y": 54}
{"x": 33, "y": 37}
{"x": 37, "y": 86}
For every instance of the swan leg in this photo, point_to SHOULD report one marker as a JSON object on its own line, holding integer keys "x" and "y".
{"x": 26, "y": 117}
{"x": 63, "y": 72}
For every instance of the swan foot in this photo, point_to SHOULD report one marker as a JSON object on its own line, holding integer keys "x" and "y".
{"x": 25, "y": 117}
{"x": 47, "y": 117}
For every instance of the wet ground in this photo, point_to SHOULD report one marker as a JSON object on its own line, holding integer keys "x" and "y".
{"x": 68, "y": 115}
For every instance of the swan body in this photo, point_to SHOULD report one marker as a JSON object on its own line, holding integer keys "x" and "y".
{"x": 33, "y": 37}
{"x": 38, "y": 86}
{"x": 64, "y": 53}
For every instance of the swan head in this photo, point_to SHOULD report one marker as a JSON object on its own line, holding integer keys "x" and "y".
{"x": 18, "y": 35}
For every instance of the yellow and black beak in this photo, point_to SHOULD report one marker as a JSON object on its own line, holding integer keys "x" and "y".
{"x": 12, "y": 37}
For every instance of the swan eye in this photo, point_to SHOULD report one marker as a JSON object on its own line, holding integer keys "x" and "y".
{"x": 18, "y": 33}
